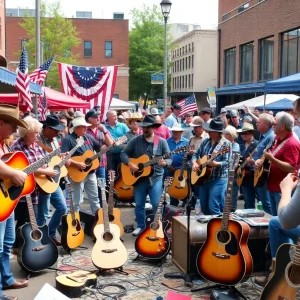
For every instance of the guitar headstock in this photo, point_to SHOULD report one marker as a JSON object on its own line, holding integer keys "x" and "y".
{"x": 168, "y": 182}
{"x": 112, "y": 175}
{"x": 234, "y": 161}
{"x": 101, "y": 183}
{"x": 80, "y": 141}
{"x": 224, "y": 150}
{"x": 121, "y": 140}
{"x": 181, "y": 149}
{"x": 270, "y": 145}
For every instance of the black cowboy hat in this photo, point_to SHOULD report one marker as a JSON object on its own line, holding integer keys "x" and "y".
{"x": 214, "y": 125}
{"x": 149, "y": 121}
{"x": 53, "y": 121}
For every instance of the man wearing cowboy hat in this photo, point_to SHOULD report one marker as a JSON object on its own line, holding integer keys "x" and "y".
{"x": 152, "y": 145}
{"x": 9, "y": 122}
{"x": 199, "y": 135}
{"x": 135, "y": 130}
{"x": 89, "y": 184}
{"x": 212, "y": 192}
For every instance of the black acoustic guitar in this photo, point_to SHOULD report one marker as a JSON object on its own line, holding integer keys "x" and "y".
{"x": 37, "y": 251}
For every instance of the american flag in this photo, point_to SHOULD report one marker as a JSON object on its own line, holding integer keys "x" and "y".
{"x": 42, "y": 107}
{"x": 95, "y": 85}
{"x": 22, "y": 82}
{"x": 187, "y": 105}
{"x": 39, "y": 75}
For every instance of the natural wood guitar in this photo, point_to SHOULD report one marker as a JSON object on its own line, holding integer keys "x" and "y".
{"x": 124, "y": 192}
{"x": 205, "y": 171}
{"x": 225, "y": 257}
{"x": 108, "y": 252}
{"x": 114, "y": 214}
{"x": 153, "y": 242}
{"x": 9, "y": 193}
{"x": 285, "y": 281}
{"x": 50, "y": 184}
{"x": 72, "y": 234}
{"x": 91, "y": 161}
{"x": 145, "y": 166}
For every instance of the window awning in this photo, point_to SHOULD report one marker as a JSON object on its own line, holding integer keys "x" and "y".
{"x": 8, "y": 81}
{"x": 250, "y": 88}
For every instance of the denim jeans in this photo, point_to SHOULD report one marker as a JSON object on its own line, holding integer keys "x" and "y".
{"x": 141, "y": 190}
{"x": 7, "y": 238}
{"x": 100, "y": 172}
{"x": 275, "y": 199}
{"x": 58, "y": 201}
{"x": 279, "y": 236}
{"x": 212, "y": 196}
{"x": 264, "y": 197}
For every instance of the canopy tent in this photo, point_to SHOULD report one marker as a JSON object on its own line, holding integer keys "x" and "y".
{"x": 288, "y": 84}
{"x": 248, "y": 88}
{"x": 283, "y": 104}
{"x": 117, "y": 104}
{"x": 259, "y": 101}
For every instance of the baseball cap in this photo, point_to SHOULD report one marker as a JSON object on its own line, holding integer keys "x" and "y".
{"x": 223, "y": 110}
{"x": 206, "y": 110}
{"x": 92, "y": 114}
{"x": 234, "y": 113}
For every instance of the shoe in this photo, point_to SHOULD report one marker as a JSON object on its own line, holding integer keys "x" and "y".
{"x": 18, "y": 284}
{"x": 56, "y": 241}
{"x": 5, "y": 297}
{"x": 136, "y": 232}
{"x": 261, "y": 281}
{"x": 14, "y": 251}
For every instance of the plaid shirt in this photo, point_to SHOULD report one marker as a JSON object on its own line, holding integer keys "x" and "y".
{"x": 33, "y": 153}
{"x": 206, "y": 148}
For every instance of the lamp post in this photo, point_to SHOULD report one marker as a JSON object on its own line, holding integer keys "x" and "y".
{"x": 165, "y": 9}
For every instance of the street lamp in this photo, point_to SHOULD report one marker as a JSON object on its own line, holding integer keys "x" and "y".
{"x": 165, "y": 9}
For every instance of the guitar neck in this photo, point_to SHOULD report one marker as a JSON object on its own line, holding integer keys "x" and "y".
{"x": 105, "y": 211}
{"x": 67, "y": 157}
{"x": 70, "y": 190}
{"x": 111, "y": 198}
{"x": 159, "y": 208}
{"x": 97, "y": 155}
{"x": 32, "y": 218}
{"x": 183, "y": 164}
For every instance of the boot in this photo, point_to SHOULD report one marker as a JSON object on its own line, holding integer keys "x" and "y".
{"x": 263, "y": 280}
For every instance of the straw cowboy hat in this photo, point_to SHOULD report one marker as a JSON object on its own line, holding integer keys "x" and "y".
{"x": 135, "y": 116}
{"x": 214, "y": 125}
{"x": 176, "y": 127}
{"x": 149, "y": 121}
{"x": 246, "y": 127}
{"x": 10, "y": 114}
{"x": 80, "y": 121}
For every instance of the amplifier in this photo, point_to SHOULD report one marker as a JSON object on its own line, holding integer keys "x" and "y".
{"x": 87, "y": 220}
{"x": 257, "y": 243}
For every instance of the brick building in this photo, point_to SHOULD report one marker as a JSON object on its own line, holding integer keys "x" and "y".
{"x": 259, "y": 40}
{"x": 103, "y": 43}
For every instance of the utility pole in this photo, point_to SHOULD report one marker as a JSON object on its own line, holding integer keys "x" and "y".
{"x": 37, "y": 46}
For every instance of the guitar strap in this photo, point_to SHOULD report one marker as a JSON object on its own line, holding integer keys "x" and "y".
{"x": 216, "y": 148}
{"x": 155, "y": 142}
{"x": 280, "y": 146}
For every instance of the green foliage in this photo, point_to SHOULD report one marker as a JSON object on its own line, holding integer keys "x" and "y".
{"x": 146, "y": 51}
{"x": 58, "y": 36}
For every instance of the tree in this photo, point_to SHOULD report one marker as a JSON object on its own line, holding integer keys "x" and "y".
{"x": 146, "y": 51}
{"x": 58, "y": 37}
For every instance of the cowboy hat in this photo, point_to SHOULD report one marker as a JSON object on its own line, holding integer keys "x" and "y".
{"x": 197, "y": 122}
{"x": 246, "y": 127}
{"x": 80, "y": 121}
{"x": 149, "y": 121}
{"x": 135, "y": 116}
{"x": 53, "y": 122}
{"x": 10, "y": 114}
{"x": 176, "y": 127}
{"x": 214, "y": 125}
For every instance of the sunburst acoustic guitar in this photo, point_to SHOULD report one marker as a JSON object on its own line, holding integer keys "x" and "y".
{"x": 124, "y": 192}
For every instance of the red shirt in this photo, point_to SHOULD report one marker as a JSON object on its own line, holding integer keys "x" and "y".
{"x": 163, "y": 132}
{"x": 289, "y": 153}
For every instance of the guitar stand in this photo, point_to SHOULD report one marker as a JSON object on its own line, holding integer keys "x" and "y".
{"x": 221, "y": 287}
{"x": 119, "y": 270}
{"x": 28, "y": 274}
{"x": 158, "y": 261}
{"x": 77, "y": 248}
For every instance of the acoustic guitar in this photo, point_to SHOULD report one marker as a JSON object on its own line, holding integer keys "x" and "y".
{"x": 261, "y": 174}
{"x": 50, "y": 184}
{"x": 72, "y": 234}
{"x": 145, "y": 166}
{"x": 108, "y": 251}
{"x": 153, "y": 242}
{"x": 124, "y": 192}
{"x": 286, "y": 278}
{"x": 9, "y": 193}
{"x": 225, "y": 257}
{"x": 72, "y": 285}
{"x": 37, "y": 251}
{"x": 180, "y": 188}
{"x": 91, "y": 161}
{"x": 114, "y": 214}
{"x": 243, "y": 171}
{"x": 205, "y": 171}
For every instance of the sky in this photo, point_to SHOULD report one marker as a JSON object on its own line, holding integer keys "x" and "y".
{"x": 201, "y": 12}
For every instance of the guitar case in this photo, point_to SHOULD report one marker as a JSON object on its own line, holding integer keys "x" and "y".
{"x": 171, "y": 211}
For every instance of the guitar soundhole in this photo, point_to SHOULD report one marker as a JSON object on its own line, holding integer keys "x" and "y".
{"x": 107, "y": 236}
{"x": 141, "y": 167}
{"x": 223, "y": 236}
{"x": 88, "y": 161}
{"x": 111, "y": 218}
{"x": 294, "y": 274}
{"x": 36, "y": 235}
{"x": 74, "y": 223}
{"x": 154, "y": 226}
{"x": 180, "y": 178}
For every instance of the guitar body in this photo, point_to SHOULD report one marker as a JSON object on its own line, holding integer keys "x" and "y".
{"x": 108, "y": 251}
{"x": 10, "y": 194}
{"x": 115, "y": 218}
{"x": 241, "y": 174}
{"x": 79, "y": 175}
{"x": 199, "y": 177}
{"x": 130, "y": 178}
{"x": 261, "y": 175}
{"x": 153, "y": 244}
{"x": 37, "y": 251}
{"x": 72, "y": 234}
{"x": 124, "y": 192}
{"x": 72, "y": 285}
{"x": 179, "y": 188}
{"x": 50, "y": 184}
{"x": 278, "y": 286}
{"x": 230, "y": 253}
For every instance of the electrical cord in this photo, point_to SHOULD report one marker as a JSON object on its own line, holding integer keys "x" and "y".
{"x": 114, "y": 295}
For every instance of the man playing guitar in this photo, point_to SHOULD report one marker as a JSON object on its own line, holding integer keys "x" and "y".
{"x": 152, "y": 145}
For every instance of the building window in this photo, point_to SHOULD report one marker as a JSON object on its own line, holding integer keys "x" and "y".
{"x": 186, "y": 63}
{"x": 189, "y": 80}
{"x": 246, "y": 69}
{"x": 186, "y": 49}
{"x": 193, "y": 47}
{"x": 183, "y": 64}
{"x": 230, "y": 56}
{"x": 290, "y": 52}
{"x": 192, "y": 61}
{"x": 189, "y": 62}
{"x": 180, "y": 82}
{"x": 185, "y": 81}
{"x": 266, "y": 58}
{"x": 225, "y": 17}
{"x": 243, "y": 7}
{"x": 192, "y": 82}
{"x": 87, "y": 49}
{"x": 108, "y": 49}
{"x": 189, "y": 47}
{"x": 116, "y": 96}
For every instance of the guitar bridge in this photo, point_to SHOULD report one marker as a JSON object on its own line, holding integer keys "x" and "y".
{"x": 39, "y": 248}
{"x": 178, "y": 187}
{"x": 75, "y": 234}
{"x": 152, "y": 238}
{"x": 220, "y": 255}
{"x": 3, "y": 188}
{"x": 109, "y": 250}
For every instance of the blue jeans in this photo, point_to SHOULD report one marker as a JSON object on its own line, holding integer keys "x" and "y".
{"x": 212, "y": 196}
{"x": 279, "y": 236}
{"x": 275, "y": 199}
{"x": 264, "y": 197}
{"x": 57, "y": 200}
{"x": 7, "y": 238}
{"x": 100, "y": 172}
{"x": 249, "y": 196}
{"x": 141, "y": 190}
